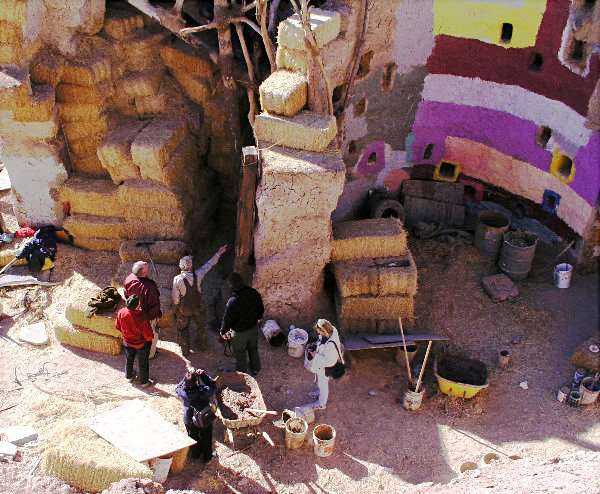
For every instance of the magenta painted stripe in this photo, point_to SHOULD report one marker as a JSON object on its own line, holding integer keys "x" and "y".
{"x": 508, "y": 134}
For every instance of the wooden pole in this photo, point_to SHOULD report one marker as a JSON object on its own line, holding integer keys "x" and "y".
{"x": 245, "y": 213}
{"x": 423, "y": 366}
{"x": 405, "y": 351}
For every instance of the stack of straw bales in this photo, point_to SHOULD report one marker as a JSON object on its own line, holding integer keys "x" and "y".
{"x": 17, "y": 45}
{"x": 375, "y": 273}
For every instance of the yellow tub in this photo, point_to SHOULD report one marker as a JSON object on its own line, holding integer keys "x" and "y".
{"x": 458, "y": 389}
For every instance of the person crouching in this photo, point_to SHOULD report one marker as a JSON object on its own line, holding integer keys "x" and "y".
{"x": 137, "y": 339}
{"x": 196, "y": 390}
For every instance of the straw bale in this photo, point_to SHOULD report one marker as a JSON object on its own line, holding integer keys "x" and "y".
{"x": 383, "y": 237}
{"x": 88, "y": 462}
{"x": 153, "y": 146}
{"x": 182, "y": 57}
{"x": 39, "y": 107}
{"x": 14, "y": 11}
{"x": 356, "y": 325}
{"x": 80, "y": 129}
{"x": 47, "y": 68}
{"x": 166, "y": 273}
{"x": 91, "y": 196}
{"x": 162, "y": 251}
{"x": 7, "y": 254}
{"x": 103, "y": 323}
{"x": 86, "y": 72}
{"x": 87, "y": 340}
{"x": 159, "y": 231}
{"x": 197, "y": 88}
{"x": 142, "y": 83}
{"x": 283, "y": 93}
{"x": 377, "y": 307}
{"x": 379, "y": 276}
{"x": 86, "y": 146}
{"x": 96, "y": 243}
{"x": 10, "y": 54}
{"x": 75, "y": 112}
{"x": 87, "y": 225}
{"x": 147, "y": 38}
{"x": 307, "y": 130}
{"x": 179, "y": 461}
{"x": 90, "y": 165}
{"x": 124, "y": 103}
{"x": 169, "y": 217}
{"x": 154, "y": 195}
{"x": 324, "y": 24}
{"x": 151, "y": 105}
{"x": 121, "y": 22}
{"x": 180, "y": 167}
{"x": 72, "y": 93}
{"x": 115, "y": 150}
{"x": 15, "y": 87}
{"x": 10, "y": 34}
{"x": 143, "y": 59}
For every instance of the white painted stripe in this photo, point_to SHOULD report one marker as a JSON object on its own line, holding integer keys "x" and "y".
{"x": 509, "y": 99}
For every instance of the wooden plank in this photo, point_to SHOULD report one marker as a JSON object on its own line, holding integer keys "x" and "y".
{"x": 139, "y": 431}
{"x": 360, "y": 341}
{"x": 245, "y": 213}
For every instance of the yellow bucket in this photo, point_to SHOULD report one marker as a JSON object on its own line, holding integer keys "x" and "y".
{"x": 458, "y": 389}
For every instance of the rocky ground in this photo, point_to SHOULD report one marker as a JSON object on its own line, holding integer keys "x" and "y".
{"x": 380, "y": 447}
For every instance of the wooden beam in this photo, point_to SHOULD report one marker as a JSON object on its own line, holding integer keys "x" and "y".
{"x": 245, "y": 212}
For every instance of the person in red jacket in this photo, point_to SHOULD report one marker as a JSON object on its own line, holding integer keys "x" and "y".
{"x": 139, "y": 283}
{"x": 137, "y": 339}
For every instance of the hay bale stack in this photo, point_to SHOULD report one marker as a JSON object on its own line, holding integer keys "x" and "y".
{"x": 122, "y": 20}
{"x": 283, "y": 93}
{"x": 47, "y": 68}
{"x": 87, "y": 225}
{"x": 87, "y": 71}
{"x": 155, "y": 195}
{"x": 383, "y": 237}
{"x": 91, "y": 196}
{"x": 141, "y": 50}
{"x": 376, "y": 307}
{"x": 37, "y": 108}
{"x": 179, "y": 56}
{"x": 139, "y": 84}
{"x": 15, "y": 87}
{"x": 307, "y": 130}
{"x": 14, "y": 11}
{"x": 72, "y": 93}
{"x": 197, "y": 88}
{"x": 80, "y": 112}
{"x": 102, "y": 323}
{"x": 161, "y": 251}
{"x": 94, "y": 243}
{"x": 83, "y": 459}
{"x": 324, "y": 24}
{"x": 82, "y": 338}
{"x": 81, "y": 129}
{"x": 115, "y": 151}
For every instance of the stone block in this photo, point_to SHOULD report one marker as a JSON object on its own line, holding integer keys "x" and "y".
{"x": 283, "y": 93}
{"x": 500, "y": 287}
{"x": 324, "y": 24}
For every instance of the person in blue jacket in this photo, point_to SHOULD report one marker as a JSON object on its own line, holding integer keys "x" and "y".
{"x": 196, "y": 390}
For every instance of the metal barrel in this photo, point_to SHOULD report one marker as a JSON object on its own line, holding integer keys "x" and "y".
{"x": 516, "y": 255}
{"x": 488, "y": 235}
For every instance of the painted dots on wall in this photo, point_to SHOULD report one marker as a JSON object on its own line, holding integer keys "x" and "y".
{"x": 543, "y": 135}
{"x": 506, "y": 32}
{"x": 428, "y": 152}
{"x": 389, "y": 76}
{"x": 562, "y": 167}
{"x": 536, "y": 61}
{"x": 364, "y": 65}
{"x": 550, "y": 201}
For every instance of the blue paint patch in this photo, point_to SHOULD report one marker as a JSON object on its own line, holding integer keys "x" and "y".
{"x": 550, "y": 201}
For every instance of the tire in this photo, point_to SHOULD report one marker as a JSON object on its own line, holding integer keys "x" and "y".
{"x": 388, "y": 208}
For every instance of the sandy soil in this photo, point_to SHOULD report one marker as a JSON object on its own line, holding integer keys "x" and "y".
{"x": 379, "y": 446}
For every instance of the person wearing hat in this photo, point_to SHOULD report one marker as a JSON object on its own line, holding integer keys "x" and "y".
{"x": 187, "y": 288}
{"x": 137, "y": 339}
{"x": 323, "y": 353}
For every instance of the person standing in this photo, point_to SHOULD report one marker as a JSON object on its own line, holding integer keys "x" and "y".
{"x": 324, "y": 353}
{"x": 186, "y": 296}
{"x": 243, "y": 311}
{"x": 138, "y": 283}
{"x": 196, "y": 390}
{"x": 137, "y": 339}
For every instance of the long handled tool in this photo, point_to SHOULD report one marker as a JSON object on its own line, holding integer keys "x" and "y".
{"x": 423, "y": 366}
{"x": 405, "y": 351}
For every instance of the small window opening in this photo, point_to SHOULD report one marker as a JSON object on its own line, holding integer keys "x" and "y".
{"x": 364, "y": 65}
{"x": 360, "y": 107}
{"x": 543, "y": 135}
{"x": 338, "y": 93}
{"x": 536, "y": 60}
{"x": 372, "y": 159}
{"x": 352, "y": 147}
{"x": 428, "y": 153}
{"x": 577, "y": 50}
{"x": 550, "y": 201}
{"x": 565, "y": 166}
{"x": 447, "y": 170}
{"x": 389, "y": 74}
{"x": 507, "y": 32}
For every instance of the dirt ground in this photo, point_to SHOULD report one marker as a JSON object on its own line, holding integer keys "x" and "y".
{"x": 379, "y": 447}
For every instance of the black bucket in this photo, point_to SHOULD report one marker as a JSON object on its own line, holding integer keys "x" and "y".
{"x": 488, "y": 235}
{"x": 516, "y": 256}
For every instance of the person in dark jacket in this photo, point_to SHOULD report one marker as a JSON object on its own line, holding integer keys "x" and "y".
{"x": 196, "y": 390}
{"x": 137, "y": 339}
{"x": 243, "y": 311}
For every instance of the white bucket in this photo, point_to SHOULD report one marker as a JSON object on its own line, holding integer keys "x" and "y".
{"x": 295, "y": 432}
{"x": 297, "y": 339}
{"x": 412, "y": 401}
{"x": 160, "y": 469}
{"x": 588, "y": 395}
{"x": 324, "y": 440}
{"x": 270, "y": 328}
{"x": 562, "y": 275}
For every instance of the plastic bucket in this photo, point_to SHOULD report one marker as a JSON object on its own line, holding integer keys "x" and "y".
{"x": 516, "y": 256}
{"x": 272, "y": 333}
{"x": 160, "y": 469}
{"x": 297, "y": 339}
{"x": 324, "y": 440}
{"x": 295, "y": 432}
{"x": 488, "y": 235}
{"x": 562, "y": 275}
{"x": 412, "y": 401}
{"x": 589, "y": 395}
